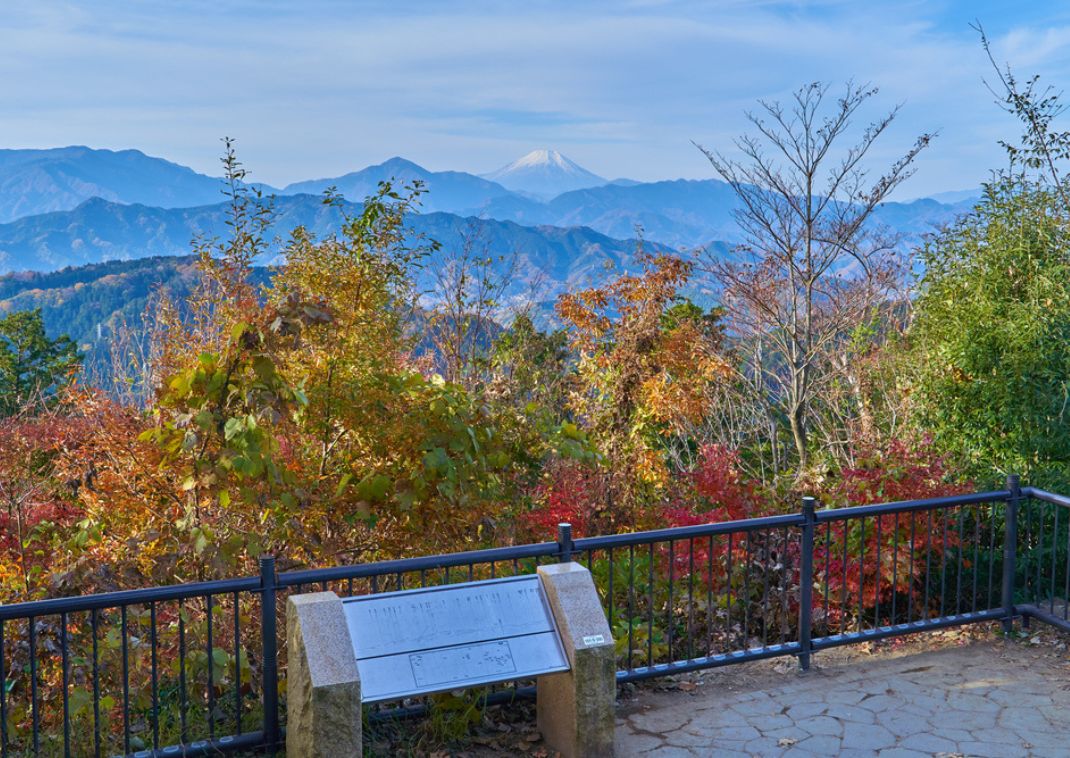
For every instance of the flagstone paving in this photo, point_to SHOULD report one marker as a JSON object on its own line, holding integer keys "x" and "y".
{"x": 993, "y": 699}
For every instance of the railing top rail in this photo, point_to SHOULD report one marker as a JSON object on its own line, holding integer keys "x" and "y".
{"x": 687, "y": 532}
{"x": 1047, "y": 497}
{"x": 424, "y": 563}
{"x": 80, "y": 603}
{"x": 906, "y": 506}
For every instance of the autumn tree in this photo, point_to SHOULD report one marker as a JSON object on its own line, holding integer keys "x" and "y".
{"x": 387, "y": 447}
{"x": 529, "y": 368}
{"x": 643, "y": 365}
{"x": 224, "y": 402}
{"x": 812, "y": 264}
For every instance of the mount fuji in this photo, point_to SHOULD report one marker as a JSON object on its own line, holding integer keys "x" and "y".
{"x": 545, "y": 174}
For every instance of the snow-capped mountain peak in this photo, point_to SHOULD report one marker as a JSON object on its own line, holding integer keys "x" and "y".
{"x": 544, "y": 158}
{"x": 545, "y": 173}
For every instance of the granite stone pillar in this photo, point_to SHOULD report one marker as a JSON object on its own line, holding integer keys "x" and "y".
{"x": 322, "y": 683}
{"x": 575, "y": 708}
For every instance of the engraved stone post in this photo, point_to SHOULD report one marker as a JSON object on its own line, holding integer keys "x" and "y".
{"x": 323, "y": 684}
{"x": 575, "y": 708}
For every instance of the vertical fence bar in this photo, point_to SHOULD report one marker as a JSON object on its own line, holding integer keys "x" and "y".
{"x": 650, "y": 605}
{"x": 877, "y": 583}
{"x": 65, "y": 662}
{"x": 183, "y": 701}
{"x": 155, "y": 674}
{"x": 33, "y": 687}
{"x": 237, "y": 663}
{"x": 3, "y": 696}
{"x": 668, "y": 605}
{"x": 631, "y": 601}
{"x": 728, "y": 591}
{"x": 94, "y": 625}
{"x": 564, "y": 542}
{"x": 210, "y": 651}
{"x": 126, "y": 678}
{"x": 806, "y": 581}
{"x": 1010, "y": 550}
{"x": 269, "y": 651}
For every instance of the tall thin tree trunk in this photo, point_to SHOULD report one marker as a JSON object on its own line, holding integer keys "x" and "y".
{"x": 797, "y": 418}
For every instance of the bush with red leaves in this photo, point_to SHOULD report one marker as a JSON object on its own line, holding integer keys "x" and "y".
{"x": 880, "y": 565}
{"x": 569, "y": 492}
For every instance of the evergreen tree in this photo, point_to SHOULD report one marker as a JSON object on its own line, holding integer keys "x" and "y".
{"x": 32, "y": 366}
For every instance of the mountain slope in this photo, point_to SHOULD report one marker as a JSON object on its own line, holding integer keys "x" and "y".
{"x": 545, "y": 258}
{"x": 686, "y": 213}
{"x": 39, "y": 181}
{"x": 544, "y": 173}
{"x": 956, "y": 197}
{"x": 446, "y": 190}
{"x": 87, "y": 302}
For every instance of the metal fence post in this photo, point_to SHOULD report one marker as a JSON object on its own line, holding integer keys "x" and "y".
{"x": 806, "y": 582}
{"x": 564, "y": 542}
{"x": 1010, "y": 550}
{"x": 269, "y": 651}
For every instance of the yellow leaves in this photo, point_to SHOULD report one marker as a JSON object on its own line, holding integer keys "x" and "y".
{"x": 677, "y": 389}
{"x": 580, "y": 311}
{"x": 650, "y": 468}
{"x": 625, "y": 302}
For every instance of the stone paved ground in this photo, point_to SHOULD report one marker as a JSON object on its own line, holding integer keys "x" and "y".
{"x": 989, "y": 698}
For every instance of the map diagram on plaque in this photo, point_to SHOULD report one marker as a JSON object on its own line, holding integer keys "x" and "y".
{"x": 455, "y": 664}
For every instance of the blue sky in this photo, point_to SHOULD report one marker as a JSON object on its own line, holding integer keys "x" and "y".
{"x": 320, "y": 87}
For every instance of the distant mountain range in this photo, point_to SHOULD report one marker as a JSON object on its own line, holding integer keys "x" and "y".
{"x": 40, "y": 181}
{"x": 88, "y": 302}
{"x": 551, "y": 258}
{"x": 554, "y": 225}
{"x": 543, "y": 187}
{"x": 451, "y": 191}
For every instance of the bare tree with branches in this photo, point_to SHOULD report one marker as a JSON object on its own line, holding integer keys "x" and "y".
{"x": 812, "y": 266}
{"x": 1042, "y": 147}
{"x": 470, "y": 283}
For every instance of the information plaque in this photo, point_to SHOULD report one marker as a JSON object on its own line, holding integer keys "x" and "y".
{"x": 416, "y": 642}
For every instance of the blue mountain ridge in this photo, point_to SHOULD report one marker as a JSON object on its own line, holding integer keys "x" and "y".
{"x": 543, "y": 260}
{"x": 680, "y": 213}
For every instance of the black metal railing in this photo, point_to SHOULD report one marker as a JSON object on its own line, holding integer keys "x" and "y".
{"x": 1042, "y": 546}
{"x": 195, "y": 669}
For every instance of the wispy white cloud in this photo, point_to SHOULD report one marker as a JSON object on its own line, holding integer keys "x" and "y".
{"x": 325, "y": 86}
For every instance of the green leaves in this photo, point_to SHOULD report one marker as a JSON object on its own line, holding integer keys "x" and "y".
{"x": 990, "y": 346}
{"x": 374, "y": 487}
{"x": 32, "y": 366}
{"x": 219, "y": 419}
{"x": 569, "y": 441}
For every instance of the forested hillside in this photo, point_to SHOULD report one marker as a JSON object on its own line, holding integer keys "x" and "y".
{"x": 86, "y": 302}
